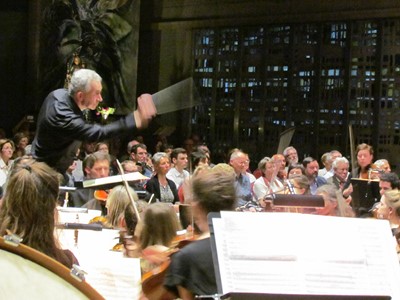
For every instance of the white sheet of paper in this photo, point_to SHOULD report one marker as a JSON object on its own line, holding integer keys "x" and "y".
{"x": 306, "y": 254}
{"x": 111, "y": 274}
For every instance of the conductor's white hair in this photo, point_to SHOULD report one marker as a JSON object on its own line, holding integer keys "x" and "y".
{"x": 81, "y": 80}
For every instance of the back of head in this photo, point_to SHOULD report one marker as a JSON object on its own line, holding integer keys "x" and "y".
{"x": 214, "y": 190}
{"x": 118, "y": 202}
{"x": 302, "y": 182}
{"x": 29, "y": 203}
{"x": 160, "y": 224}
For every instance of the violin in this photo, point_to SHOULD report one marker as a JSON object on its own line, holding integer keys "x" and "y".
{"x": 101, "y": 195}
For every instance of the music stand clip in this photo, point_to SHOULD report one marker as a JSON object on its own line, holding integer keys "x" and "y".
{"x": 12, "y": 239}
{"x": 77, "y": 273}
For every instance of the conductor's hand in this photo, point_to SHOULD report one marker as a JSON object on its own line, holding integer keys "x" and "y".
{"x": 145, "y": 111}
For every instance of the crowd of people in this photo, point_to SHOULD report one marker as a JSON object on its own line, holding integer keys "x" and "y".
{"x": 174, "y": 176}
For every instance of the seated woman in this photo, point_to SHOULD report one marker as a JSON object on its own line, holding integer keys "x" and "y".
{"x": 29, "y": 208}
{"x": 268, "y": 183}
{"x": 191, "y": 271}
{"x": 21, "y": 140}
{"x": 164, "y": 189}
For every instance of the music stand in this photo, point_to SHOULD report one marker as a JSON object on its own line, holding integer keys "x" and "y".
{"x": 289, "y": 200}
{"x": 365, "y": 194}
{"x": 234, "y": 255}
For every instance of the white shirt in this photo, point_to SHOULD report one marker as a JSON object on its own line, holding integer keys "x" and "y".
{"x": 4, "y": 169}
{"x": 178, "y": 178}
{"x": 262, "y": 187}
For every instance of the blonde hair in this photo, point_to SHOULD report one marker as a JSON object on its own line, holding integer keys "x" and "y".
{"x": 118, "y": 203}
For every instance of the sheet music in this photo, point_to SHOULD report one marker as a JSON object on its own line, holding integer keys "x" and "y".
{"x": 306, "y": 254}
{"x": 111, "y": 274}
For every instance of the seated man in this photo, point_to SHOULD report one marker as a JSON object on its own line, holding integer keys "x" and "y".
{"x": 177, "y": 173}
{"x": 387, "y": 182}
{"x": 239, "y": 162}
{"x": 96, "y": 165}
{"x": 311, "y": 168}
{"x": 341, "y": 177}
{"x": 140, "y": 156}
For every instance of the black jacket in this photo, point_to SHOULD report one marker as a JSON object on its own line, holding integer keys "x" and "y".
{"x": 153, "y": 187}
{"x": 61, "y": 127}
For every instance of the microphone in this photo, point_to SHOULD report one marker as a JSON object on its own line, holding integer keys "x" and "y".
{"x": 94, "y": 226}
{"x": 290, "y": 186}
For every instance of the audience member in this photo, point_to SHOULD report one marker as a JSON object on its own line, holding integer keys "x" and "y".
{"x": 311, "y": 168}
{"x": 268, "y": 183}
{"x": 164, "y": 189}
{"x": 6, "y": 152}
{"x": 341, "y": 177}
{"x": 140, "y": 156}
{"x": 296, "y": 169}
{"x": 21, "y": 140}
{"x": 239, "y": 162}
{"x": 177, "y": 173}
{"x": 291, "y": 156}
{"x": 280, "y": 162}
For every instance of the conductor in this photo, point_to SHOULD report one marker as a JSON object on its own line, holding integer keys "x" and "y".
{"x": 61, "y": 125}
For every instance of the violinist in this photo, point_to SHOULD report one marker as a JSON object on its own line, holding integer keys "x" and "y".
{"x": 95, "y": 165}
{"x": 334, "y": 204}
{"x": 268, "y": 183}
{"x": 154, "y": 235}
{"x": 120, "y": 210}
{"x": 191, "y": 271}
{"x": 300, "y": 184}
{"x": 29, "y": 208}
{"x": 365, "y": 155}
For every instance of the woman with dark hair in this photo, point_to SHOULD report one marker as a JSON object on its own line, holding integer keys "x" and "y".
{"x": 29, "y": 208}
{"x": 365, "y": 156}
{"x": 21, "y": 140}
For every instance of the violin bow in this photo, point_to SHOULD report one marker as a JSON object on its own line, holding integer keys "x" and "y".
{"x": 121, "y": 170}
{"x": 352, "y": 154}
